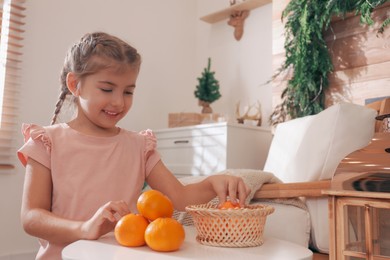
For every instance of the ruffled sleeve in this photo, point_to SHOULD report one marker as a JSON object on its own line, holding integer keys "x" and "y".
{"x": 36, "y": 132}
{"x": 37, "y": 144}
{"x": 151, "y": 140}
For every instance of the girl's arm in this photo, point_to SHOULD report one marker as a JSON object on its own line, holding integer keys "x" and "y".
{"x": 39, "y": 221}
{"x": 222, "y": 186}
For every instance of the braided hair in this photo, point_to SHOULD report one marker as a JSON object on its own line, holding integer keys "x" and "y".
{"x": 94, "y": 52}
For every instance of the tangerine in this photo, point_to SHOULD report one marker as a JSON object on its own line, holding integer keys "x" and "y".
{"x": 130, "y": 230}
{"x": 153, "y": 204}
{"x": 164, "y": 235}
{"x": 229, "y": 205}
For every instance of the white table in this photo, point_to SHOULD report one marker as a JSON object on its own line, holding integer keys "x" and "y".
{"x": 106, "y": 248}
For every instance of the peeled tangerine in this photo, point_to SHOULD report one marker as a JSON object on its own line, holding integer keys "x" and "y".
{"x": 229, "y": 205}
{"x": 164, "y": 235}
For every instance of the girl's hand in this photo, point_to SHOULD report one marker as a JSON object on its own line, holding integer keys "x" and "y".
{"x": 104, "y": 220}
{"x": 232, "y": 186}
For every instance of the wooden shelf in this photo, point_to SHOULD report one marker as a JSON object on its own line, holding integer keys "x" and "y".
{"x": 225, "y": 13}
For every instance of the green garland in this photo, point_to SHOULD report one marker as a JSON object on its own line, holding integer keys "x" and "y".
{"x": 307, "y": 53}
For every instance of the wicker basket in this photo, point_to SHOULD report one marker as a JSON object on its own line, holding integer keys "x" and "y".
{"x": 230, "y": 227}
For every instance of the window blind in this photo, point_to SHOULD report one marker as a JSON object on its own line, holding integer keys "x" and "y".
{"x": 11, "y": 33}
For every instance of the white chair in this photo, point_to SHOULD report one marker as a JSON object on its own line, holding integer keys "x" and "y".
{"x": 304, "y": 154}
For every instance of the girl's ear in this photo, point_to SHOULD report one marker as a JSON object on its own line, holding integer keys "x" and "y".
{"x": 72, "y": 84}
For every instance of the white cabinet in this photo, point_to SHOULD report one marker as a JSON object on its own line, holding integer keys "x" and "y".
{"x": 209, "y": 148}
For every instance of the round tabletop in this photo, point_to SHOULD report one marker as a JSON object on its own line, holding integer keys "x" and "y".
{"x": 106, "y": 248}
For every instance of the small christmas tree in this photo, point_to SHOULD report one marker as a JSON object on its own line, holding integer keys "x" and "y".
{"x": 207, "y": 91}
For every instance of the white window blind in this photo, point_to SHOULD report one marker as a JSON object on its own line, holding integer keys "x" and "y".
{"x": 12, "y": 22}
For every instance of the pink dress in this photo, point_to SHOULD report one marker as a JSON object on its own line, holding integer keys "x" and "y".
{"x": 88, "y": 171}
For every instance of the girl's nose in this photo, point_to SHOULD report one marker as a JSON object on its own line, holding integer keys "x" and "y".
{"x": 117, "y": 100}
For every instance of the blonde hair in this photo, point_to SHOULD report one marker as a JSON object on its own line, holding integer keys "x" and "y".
{"x": 94, "y": 52}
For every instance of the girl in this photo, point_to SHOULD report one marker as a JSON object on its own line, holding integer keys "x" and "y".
{"x": 83, "y": 175}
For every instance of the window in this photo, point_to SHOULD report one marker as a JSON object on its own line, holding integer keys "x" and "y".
{"x": 11, "y": 31}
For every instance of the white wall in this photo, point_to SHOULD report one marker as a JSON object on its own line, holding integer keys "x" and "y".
{"x": 242, "y": 67}
{"x": 175, "y": 46}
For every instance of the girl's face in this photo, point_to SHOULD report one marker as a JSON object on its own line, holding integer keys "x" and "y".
{"x": 104, "y": 98}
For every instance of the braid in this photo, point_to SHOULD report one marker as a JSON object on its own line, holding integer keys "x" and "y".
{"x": 59, "y": 104}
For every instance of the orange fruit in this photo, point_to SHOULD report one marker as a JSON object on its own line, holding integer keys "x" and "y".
{"x": 130, "y": 230}
{"x": 153, "y": 204}
{"x": 229, "y": 205}
{"x": 164, "y": 235}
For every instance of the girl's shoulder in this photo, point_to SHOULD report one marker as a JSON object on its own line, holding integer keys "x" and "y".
{"x": 147, "y": 138}
{"x": 144, "y": 134}
{"x": 35, "y": 127}
{"x": 45, "y": 133}
{"x": 38, "y": 133}
{"x": 32, "y": 129}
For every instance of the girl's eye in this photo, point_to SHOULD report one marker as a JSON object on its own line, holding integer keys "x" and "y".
{"x": 128, "y": 92}
{"x": 106, "y": 90}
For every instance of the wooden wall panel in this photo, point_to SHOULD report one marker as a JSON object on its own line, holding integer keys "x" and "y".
{"x": 361, "y": 57}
